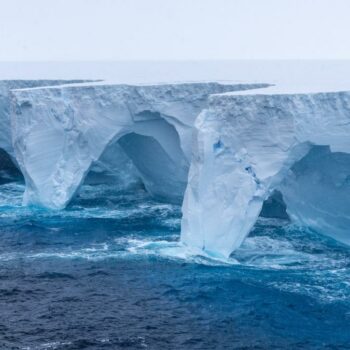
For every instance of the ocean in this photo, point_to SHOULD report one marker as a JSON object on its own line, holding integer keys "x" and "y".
{"x": 109, "y": 272}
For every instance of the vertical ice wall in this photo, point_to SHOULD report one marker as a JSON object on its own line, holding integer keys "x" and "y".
{"x": 8, "y": 164}
{"x": 5, "y": 103}
{"x": 244, "y": 147}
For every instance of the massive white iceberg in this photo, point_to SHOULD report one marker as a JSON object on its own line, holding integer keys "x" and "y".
{"x": 249, "y": 144}
{"x": 230, "y": 151}
{"x": 61, "y": 133}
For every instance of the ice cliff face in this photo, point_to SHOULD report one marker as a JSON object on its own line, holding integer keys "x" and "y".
{"x": 5, "y": 121}
{"x": 60, "y": 134}
{"x": 246, "y": 146}
{"x": 230, "y": 152}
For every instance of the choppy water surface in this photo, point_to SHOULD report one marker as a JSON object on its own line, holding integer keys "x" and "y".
{"x": 109, "y": 273}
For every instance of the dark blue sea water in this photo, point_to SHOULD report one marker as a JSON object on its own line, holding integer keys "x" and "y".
{"x": 108, "y": 273}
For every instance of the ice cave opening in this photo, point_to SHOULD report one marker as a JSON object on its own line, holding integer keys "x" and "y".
{"x": 274, "y": 207}
{"x": 316, "y": 192}
{"x": 147, "y": 158}
{"x": 9, "y": 171}
{"x": 312, "y": 186}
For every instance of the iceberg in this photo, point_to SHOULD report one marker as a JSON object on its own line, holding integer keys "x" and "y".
{"x": 61, "y": 134}
{"x": 249, "y": 145}
{"x": 227, "y": 152}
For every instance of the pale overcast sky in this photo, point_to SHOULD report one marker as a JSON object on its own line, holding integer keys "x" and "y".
{"x": 173, "y": 29}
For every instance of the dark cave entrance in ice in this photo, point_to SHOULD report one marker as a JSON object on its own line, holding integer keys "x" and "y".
{"x": 148, "y": 157}
{"x": 8, "y": 170}
{"x": 274, "y": 207}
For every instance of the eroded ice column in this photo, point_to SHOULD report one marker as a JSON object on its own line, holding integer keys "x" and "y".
{"x": 244, "y": 147}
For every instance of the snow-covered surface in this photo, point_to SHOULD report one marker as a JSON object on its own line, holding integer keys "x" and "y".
{"x": 287, "y": 89}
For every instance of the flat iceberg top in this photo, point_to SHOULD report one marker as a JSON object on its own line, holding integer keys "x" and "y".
{"x": 285, "y": 89}
{"x": 257, "y": 88}
{"x": 6, "y": 85}
{"x": 287, "y": 76}
{"x": 175, "y": 86}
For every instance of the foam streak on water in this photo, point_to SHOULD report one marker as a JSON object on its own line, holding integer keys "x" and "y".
{"x": 109, "y": 272}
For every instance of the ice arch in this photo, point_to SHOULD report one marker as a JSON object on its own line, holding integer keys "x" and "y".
{"x": 150, "y": 155}
{"x": 59, "y": 133}
{"x": 163, "y": 171}
{"x": 245, "y": 147}
{"x": 152, "y": 145}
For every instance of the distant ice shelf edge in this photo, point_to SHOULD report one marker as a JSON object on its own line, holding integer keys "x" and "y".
{"x": 220, "y": 151}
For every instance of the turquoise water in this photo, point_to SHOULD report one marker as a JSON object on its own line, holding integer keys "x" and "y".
{"x": 109, "y": 273}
